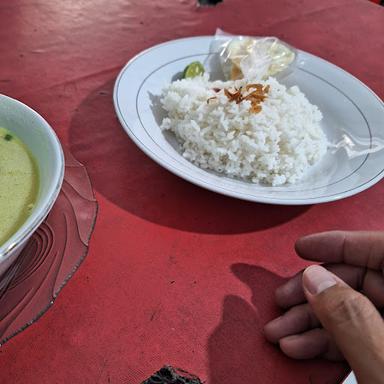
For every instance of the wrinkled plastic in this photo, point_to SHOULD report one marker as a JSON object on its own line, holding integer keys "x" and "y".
{"x": 254, "y": 58}
{"x": 355, "y": 146}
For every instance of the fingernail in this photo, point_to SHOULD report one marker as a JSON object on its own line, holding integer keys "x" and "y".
{"x": 317, "y": 279}
{"x": 274, "y": 321}
{"x": 272, "y": 331}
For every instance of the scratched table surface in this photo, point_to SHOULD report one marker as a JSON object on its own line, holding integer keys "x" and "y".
{"x": 175, "y": 274}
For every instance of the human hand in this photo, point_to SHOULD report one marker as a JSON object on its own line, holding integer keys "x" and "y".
{"x": 331, "y": 309}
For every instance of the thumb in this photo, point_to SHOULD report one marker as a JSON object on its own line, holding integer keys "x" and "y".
{"x": 352, "y": 321}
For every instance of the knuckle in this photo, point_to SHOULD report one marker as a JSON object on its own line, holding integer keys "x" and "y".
{"x": 348, "y": 309}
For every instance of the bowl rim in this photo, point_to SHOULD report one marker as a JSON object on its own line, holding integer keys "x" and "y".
{"x": 27, "y": 229}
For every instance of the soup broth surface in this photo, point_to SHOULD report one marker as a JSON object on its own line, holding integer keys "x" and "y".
{"x": 19, "y": 181}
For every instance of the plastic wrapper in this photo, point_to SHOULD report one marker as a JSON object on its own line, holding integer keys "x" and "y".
{"x": 253, "y": 57}
{"x": 356, "y": 146}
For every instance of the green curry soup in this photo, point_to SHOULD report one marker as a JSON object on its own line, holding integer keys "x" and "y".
{"x": 19, "y": 183}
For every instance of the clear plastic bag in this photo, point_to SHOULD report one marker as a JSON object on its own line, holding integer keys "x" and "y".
{"x": 355, "y": 146}
{"x": 253, "y": 57}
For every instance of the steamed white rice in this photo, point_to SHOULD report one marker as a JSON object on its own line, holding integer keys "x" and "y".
{"x": 275, "y": 146}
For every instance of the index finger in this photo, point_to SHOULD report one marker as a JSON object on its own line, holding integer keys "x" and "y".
{"x": 360, "y": 248}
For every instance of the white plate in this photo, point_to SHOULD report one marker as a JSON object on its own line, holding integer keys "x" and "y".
{"x": 346, "y": 103}
{"x": 350, "y": 379}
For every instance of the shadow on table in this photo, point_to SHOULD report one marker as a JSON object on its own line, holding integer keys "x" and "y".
{"x": 238, "y": 353}
{"x": 127, "y": 177}
{"x": 237, "y": 349}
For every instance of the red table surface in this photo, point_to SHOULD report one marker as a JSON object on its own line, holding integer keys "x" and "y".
{"x": 175, "y": 274}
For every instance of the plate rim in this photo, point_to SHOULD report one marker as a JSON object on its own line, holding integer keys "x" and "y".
{"x": 224, "y": 191}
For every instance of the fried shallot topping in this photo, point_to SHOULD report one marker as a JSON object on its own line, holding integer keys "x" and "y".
{"x": 255, "y": 93}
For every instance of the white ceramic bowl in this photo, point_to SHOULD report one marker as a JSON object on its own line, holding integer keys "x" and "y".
{"x": 352, "y": 121}
{"x": 42, "y": 141}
